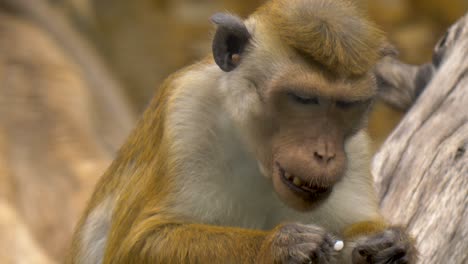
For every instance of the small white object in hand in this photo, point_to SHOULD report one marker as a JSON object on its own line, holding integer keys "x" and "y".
{"x": 339, "y": 245}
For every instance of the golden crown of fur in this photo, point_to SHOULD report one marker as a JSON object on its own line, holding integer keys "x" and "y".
{"x": 330, "y": 32}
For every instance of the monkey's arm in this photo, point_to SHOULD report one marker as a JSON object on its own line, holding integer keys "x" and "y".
{"x": 165, "y": 242}
{"x": 198, "y": 243}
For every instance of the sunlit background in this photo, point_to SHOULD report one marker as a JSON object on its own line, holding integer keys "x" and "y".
{"x": 145, "y": 40}
{"x": 75, "y": 75}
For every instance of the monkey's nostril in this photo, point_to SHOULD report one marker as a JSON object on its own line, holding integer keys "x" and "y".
{"x": 318, "y": 156}
{"x": 324, "y": 158}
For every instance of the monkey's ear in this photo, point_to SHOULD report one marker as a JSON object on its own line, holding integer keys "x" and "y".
{"x": 229, "y": 41}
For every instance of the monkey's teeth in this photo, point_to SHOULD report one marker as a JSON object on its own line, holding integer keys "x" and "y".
{"x": 288, "y": 175}
{"x": 297, "y": 181}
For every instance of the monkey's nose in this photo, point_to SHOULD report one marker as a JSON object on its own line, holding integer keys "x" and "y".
{"x": 324, "y": 157}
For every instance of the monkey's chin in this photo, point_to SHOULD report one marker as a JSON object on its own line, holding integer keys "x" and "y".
{"x": 301, "y": 198}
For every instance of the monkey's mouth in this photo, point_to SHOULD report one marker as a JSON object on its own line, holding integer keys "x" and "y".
{"x": 306, "y": 190}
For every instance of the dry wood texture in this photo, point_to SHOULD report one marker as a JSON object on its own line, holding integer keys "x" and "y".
{"x": 422, "y": 168}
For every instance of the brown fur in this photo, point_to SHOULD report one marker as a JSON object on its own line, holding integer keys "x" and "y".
{"x": 332, "y": 33}
{"x": 144, "y": 154}
{"x": 365, "y": 228}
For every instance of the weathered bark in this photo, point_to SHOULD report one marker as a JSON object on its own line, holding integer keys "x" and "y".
{"x": 422, "y": 169}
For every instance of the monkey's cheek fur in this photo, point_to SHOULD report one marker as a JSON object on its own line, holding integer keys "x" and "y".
{"x": 294, "y": 196}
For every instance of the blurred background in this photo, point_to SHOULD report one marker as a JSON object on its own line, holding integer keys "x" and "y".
{"x": 76, "y": 74}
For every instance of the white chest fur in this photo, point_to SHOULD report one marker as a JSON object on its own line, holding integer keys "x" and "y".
{"x": 221, "y": 180}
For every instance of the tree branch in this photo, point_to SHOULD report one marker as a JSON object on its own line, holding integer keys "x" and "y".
{"x": 421, "y": 170}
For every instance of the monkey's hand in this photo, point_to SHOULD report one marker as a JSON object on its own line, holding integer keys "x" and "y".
{"x": 393, "y": 245}
{"x": 298, "y": 244}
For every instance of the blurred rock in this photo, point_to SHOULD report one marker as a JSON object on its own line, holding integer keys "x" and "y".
{"x": 17, "y": 244}
{"x": 144, "y": 41}
{"x": 382, "y": 120}
{"x": 415, "y": 41}
{"x": 389, "y": 13}
{"x": 443, "y": 12}
{"x": 54, "y": 140}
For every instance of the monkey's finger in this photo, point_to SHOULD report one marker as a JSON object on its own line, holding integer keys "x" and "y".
{"x": 300, "y": 253}
{"x": 309, "y": 238}
{"x": 378, "y": 243}
{"x": 391, "y": 255}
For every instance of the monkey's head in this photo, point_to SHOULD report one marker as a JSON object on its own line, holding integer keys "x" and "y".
{"x": 298, "y": 84}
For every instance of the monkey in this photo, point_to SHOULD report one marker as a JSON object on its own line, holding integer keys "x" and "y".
{"x": 256, "y": 154}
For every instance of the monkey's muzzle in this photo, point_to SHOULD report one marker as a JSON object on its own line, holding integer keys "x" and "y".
{"x": 303, "y": 188}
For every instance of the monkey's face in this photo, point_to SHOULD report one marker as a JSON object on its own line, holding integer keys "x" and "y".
{"x": 313, "y": 117}
{"x": 298, "y": 88}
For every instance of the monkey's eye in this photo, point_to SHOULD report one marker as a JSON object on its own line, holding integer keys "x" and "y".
{"x": 303, "y": 99}
{"x": 346, "y": 104}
